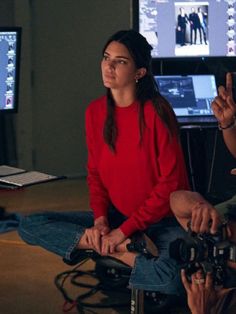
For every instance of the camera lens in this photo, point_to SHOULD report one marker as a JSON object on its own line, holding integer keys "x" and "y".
{"x": 188, "y": 250}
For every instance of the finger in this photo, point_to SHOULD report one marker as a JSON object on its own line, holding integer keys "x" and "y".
{"x": 233, "y": 171}
{"x": 97, "y": 241}
{"x": 216, "y": 108}
{"x": 89, "y": 238}
{"x": 104, "y": 247}
{"x": 199, "y": 274}
{"x": 205, "y": 222}
{"x": 215, "y": 222}
{"x": 222, "y": 92}
{"x": 184, "y": 280}
{"x": 229, "y": 84}
{"x": 196, "y": 219}
{"x": 209, "y": 281}
{"x": 111, "y": 249}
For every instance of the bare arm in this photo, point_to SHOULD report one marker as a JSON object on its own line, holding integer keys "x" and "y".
{"x": 224, "y": 109}
{"x": 187, "y": 205}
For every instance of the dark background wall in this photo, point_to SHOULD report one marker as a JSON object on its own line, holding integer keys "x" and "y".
{"x": 60, "y": 74}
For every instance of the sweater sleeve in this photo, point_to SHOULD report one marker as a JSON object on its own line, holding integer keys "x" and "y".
{"x": 172, "y": 176}
{"x": 98, "y": 195}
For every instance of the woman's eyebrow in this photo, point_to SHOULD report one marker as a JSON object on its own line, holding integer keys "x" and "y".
{"x": 123, "y": 57}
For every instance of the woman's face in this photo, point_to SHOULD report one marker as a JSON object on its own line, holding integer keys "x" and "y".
{"x": 118, "y": 67}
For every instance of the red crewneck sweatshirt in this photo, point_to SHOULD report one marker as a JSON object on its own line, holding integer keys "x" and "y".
{"x": 139, "y": 177}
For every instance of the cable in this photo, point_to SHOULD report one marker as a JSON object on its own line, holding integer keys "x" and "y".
{"x": 79, "y": 302}
{"x": 212, "y": 162}
{"x": 190, "y": 162}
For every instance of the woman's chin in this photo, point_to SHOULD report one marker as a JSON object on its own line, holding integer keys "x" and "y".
{"x": 108, "y": 84}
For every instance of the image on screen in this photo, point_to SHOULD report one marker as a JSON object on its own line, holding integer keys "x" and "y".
{"x": 9, "y": 68}
{"x": 187, "y": 28}
{"x": 189, "y": 95}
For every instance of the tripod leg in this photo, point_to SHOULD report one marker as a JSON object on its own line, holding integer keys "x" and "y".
{"x": 137, "y": 301}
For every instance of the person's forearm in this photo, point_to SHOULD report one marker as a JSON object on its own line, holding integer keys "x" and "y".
{"x": 230, "y": 139}
{"x": 181, "y": 202}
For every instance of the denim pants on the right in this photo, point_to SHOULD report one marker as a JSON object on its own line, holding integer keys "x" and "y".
{"x": 60, "y": 232}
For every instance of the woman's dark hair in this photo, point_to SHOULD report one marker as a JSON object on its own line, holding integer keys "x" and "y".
{"x": 146, "y": 88}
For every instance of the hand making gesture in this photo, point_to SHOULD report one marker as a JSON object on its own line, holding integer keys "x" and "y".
{"x": 223, "y": 106}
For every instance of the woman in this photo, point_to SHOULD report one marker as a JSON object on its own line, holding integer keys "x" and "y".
{"x": 134, "y": 163}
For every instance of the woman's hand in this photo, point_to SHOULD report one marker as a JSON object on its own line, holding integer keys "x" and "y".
{"x": 111, "y": 240}
{"x": 94, "y": 234}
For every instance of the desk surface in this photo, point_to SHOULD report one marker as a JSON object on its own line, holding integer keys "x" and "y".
{"x": 67, "y": 194}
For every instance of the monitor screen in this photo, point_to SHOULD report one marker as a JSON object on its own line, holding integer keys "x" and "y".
{"x": 190, "y": 96}
{"x": 187, "y": 28}
{"x": 9, "y": 68}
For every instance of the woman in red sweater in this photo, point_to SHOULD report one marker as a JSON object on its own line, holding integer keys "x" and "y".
{"x": 135, "y": 161}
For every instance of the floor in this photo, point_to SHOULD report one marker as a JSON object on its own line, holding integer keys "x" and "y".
{"x": 28, "y": 273}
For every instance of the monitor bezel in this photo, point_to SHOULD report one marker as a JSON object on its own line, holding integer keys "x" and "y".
{"x": 180, "y": 59}
{"x": 18, "y": 31}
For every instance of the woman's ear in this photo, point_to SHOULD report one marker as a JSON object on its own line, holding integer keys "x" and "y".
{"x": 141, "y": 73}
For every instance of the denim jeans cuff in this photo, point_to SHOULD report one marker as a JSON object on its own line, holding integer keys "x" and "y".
{"x": 73, "y": 246}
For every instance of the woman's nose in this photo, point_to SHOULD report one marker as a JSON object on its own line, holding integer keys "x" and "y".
{"x": 111, "y": 64}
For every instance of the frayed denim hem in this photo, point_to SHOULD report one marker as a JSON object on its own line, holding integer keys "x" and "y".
{"x": 73, "y": 246}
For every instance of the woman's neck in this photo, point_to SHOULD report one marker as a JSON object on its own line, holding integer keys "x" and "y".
{"x": 123, "y": 99}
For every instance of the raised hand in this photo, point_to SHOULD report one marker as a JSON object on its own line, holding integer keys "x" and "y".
{"x": 223, "y": 106}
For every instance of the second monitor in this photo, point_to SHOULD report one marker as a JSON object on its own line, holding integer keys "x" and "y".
{"x": 190, "y": 96}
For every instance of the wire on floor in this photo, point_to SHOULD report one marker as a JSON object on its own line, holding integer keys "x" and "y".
{"x": 79, "y": 302}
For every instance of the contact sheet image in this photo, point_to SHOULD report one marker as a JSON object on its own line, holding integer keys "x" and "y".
{"x": 188, "y": 28}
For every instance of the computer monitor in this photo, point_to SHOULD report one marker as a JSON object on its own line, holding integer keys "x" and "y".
{"x": 10, "y": 40}
{"x": 190, "y": 96}
{"x": 187, "y": 29}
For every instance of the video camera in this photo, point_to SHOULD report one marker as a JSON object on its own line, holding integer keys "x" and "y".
{"x": 205, "y": 251}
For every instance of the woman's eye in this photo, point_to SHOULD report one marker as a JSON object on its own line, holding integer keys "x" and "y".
{"x": 105, "y": 58}
{"x": 122, "y": 62}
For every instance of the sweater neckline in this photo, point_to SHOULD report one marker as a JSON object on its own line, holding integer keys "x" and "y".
{"x": 131, "y": 107}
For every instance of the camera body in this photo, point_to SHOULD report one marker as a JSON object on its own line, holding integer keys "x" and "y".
{"x": 204, "y": 251}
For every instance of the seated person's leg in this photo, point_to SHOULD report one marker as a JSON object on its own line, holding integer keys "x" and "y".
{"x": 158, "y": 273}
{"x": 55, "y": 232}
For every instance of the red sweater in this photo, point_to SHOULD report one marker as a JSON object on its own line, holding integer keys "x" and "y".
{"x": 138, "y": 178}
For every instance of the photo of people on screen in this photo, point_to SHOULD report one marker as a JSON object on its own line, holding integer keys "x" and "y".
{"x": 191, "y": 30}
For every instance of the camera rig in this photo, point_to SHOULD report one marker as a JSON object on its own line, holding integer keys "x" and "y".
{"x": 205, "y": 251}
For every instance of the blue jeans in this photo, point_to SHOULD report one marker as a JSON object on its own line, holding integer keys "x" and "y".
{"x": 59, "y": 232}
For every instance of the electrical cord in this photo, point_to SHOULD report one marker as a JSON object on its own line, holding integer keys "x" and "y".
{"x": 212, "y": 162}
{"x": 79, "y": 301}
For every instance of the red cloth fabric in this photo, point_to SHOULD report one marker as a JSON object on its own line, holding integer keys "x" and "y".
{"x": 139, "y": 177}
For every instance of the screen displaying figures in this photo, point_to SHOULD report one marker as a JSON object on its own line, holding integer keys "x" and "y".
{"x": 187, "y": 28}
{"x": 9, "y": 68}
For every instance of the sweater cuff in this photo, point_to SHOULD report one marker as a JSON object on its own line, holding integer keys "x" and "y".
{"x": 129, "y": 227}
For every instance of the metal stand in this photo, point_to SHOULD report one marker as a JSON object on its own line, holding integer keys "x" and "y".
{"x": 137, "y": 301}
